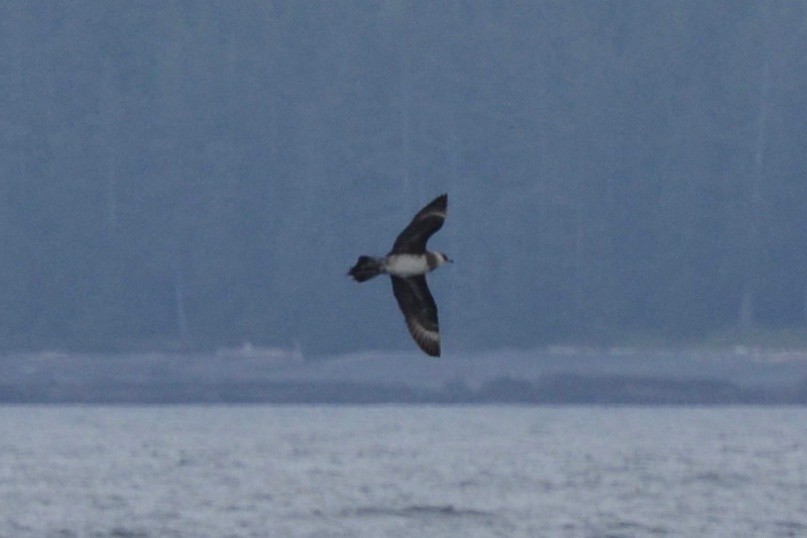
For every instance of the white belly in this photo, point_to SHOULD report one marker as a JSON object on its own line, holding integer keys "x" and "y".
{"x": 407, "y": 265}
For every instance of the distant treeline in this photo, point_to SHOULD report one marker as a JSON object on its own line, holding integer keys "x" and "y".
{"x": 557, "y": 389}
{"x": 196, "y": 174}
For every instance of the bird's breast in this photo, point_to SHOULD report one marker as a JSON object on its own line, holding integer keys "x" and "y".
{"x": 405, "y": 265}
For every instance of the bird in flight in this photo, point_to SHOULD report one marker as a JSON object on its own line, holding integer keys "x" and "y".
{"x": 407, "y": 264}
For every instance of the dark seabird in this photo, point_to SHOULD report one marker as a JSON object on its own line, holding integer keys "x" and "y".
{"x": 407, "y": 264}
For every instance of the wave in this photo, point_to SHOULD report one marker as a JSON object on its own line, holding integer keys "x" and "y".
{"x": 418, "y": 510}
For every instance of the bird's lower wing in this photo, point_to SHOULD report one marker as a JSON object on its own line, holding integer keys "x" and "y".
{"x": 419, "y": 310}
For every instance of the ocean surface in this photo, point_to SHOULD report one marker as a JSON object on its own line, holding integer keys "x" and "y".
{"x": 376, "y": 471}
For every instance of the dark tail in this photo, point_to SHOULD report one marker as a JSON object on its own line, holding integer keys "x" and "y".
{"x": 366, "y": 268}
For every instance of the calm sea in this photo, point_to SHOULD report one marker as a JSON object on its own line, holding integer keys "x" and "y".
{"x": 227, "y": 471}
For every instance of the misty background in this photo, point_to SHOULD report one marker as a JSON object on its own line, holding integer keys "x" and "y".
{"x": 192, "y": 175}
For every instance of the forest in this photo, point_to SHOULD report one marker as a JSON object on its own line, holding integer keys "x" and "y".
{"x": 192, "y": 175}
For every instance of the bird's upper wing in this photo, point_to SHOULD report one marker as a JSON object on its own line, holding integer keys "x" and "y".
{"x": 428, "y": 220}
{"x": 419, "y": 310}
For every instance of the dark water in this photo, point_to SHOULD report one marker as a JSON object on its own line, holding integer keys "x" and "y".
{"x": 402, "y": 471}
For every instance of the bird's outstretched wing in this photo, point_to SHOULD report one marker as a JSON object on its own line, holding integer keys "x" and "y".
{"x": 428, "y": 220}
{"x": 419, "y": 310}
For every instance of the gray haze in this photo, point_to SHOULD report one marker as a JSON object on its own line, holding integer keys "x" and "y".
{"x": 201, "y": 174}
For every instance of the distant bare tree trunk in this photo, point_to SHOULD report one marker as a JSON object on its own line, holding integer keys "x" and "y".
{"x": 579, "y": 266}
{"x": 179, "y": 295}
{"x": 111, "y": 195}
{"x": 805, "y": 302}
{"x": 747, "y": 306}
{"x": 111, "y": 114}
{"x": 753, "y": 236}
{"x": 406, "y": 114}
{"x": 274, "y": 53}
{"x": 453, "y": 151}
